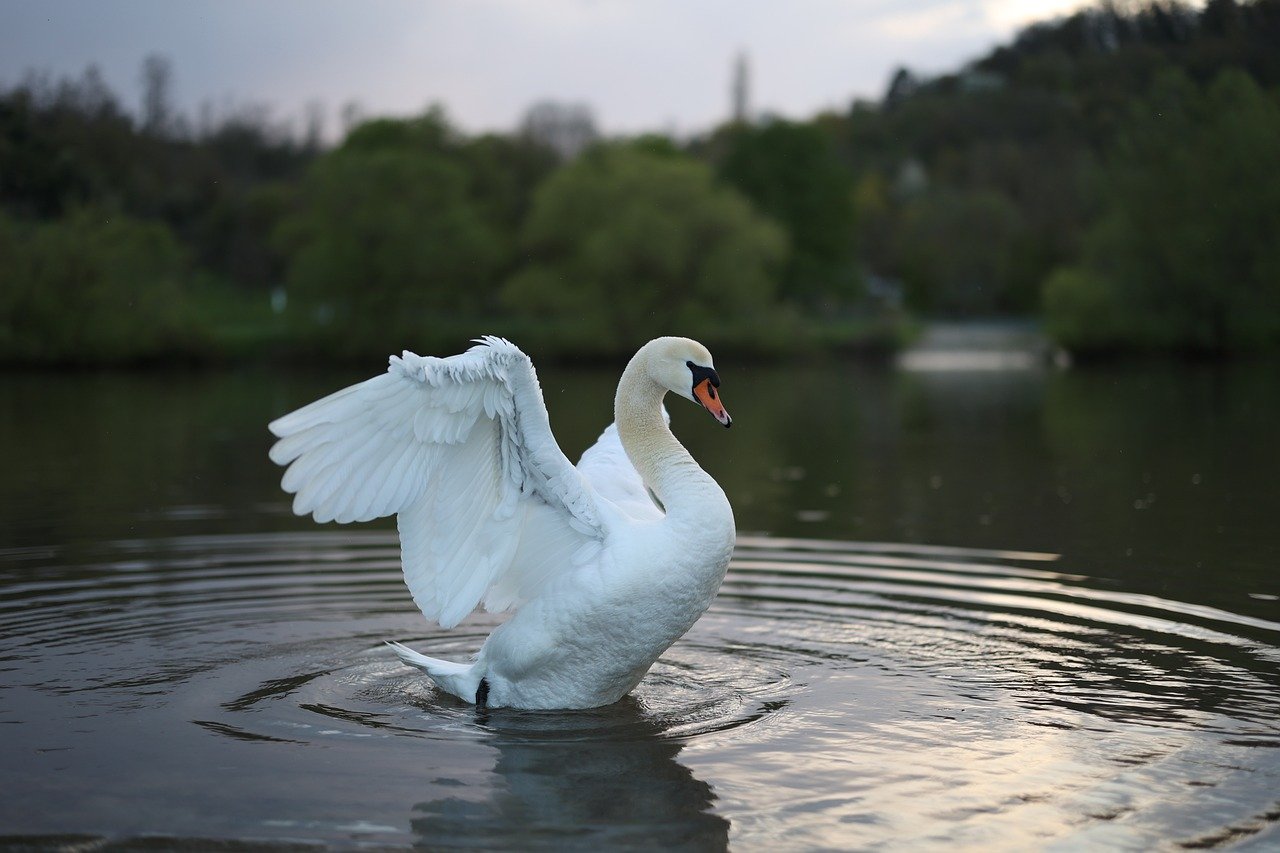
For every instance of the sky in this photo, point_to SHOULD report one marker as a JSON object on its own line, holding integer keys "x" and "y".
{"x": 640, "y": 65}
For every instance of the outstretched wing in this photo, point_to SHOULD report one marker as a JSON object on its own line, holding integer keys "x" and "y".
{"x": 460, "y": 449}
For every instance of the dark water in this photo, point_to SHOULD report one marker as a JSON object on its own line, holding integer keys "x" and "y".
{"x": 1000, "y": 610}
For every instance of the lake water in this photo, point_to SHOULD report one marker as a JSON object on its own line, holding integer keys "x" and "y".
{"x": 989, "y": 610}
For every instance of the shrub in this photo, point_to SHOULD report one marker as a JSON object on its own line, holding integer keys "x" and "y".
{"x": 93, "y": 288}
{"x": 627, "y": 243}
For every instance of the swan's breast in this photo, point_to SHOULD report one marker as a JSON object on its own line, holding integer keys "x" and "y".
{"x": 595, "y": 631}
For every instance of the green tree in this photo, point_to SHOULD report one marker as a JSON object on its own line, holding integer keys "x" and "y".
{"x": 63, "y": 146}
{"x": 954, "y": 251}
{"x": 92, "y": 288}
{"x": 792, "y": 174}
{"x": 504, "y": 171}
{"x": 69, "y": 144}
{"x": 625, "y": 244}
{"x": 501, "y": 171}
{"x": 1186, "y": 254}
{"x": 385, "y": 242}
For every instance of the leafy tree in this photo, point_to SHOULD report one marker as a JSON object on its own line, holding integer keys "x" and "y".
{"x": 1186, "y": 254}
{"x": 69, "y": 144}
{"x": 954, "y": 252}
{"x": 625, "y": 244}
{"x": 383, "y": 241}
{"x": 503, "y": 173}
{"x": 235, "y": 236}
{"x": 792, "y": 174}
{"x": 62, "y": 146}
{"x": 499, "y": 172}
{"x": 92, "y": 288}
{"x": 1029, "y": 122}
{"x": 429, "y": 132}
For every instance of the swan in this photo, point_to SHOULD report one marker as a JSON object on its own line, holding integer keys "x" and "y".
{"x": 605, "y": 564}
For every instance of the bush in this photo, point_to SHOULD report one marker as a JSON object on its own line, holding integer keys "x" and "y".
{"x": 791, "y": 173}
{"x": 626, "y": 244}
{"x": 955, "y": 251}
{"x": 383, "y": 243}
{"x": 1187, "y": 250}
{"x": 1081, "y": 311}
{"x": 92, "y": 288}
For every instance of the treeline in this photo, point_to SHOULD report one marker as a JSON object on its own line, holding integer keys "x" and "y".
{"x": 1116, "y": 172}
{"x": 124, "y": 238}
{"x": 133, "y": 240}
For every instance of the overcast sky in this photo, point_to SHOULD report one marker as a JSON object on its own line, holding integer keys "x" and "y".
{"x": 640, "y": 65}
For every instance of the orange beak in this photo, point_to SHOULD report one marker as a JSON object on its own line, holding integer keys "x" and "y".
{"x": 710, "y": 400}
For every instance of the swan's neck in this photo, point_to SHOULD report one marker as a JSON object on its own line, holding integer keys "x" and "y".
{"x": 664, "y": 465}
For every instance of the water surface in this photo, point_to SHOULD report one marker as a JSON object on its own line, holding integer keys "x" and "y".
{"x": 996, "y": 609}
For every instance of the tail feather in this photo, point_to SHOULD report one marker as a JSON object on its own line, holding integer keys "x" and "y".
{"x": 460, "y": 679}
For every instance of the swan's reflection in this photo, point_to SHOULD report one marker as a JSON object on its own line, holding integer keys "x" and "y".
{"x": 597, "y": 779}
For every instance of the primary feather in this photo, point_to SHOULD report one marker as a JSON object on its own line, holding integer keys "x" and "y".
{"x": 458, "y": 448}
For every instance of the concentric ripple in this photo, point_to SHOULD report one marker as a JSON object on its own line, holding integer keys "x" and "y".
{"x": 835, "y": 695}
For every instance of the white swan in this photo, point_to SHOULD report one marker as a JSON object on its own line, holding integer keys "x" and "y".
{"x": 604, "y": 578}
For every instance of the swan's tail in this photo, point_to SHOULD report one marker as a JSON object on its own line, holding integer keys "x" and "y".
{"x": 460, "y": 679}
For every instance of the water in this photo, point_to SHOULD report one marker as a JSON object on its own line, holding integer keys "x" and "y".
{"x": 996, "y": 610}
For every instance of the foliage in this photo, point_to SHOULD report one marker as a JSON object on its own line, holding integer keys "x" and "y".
{"x": 62, "y": 146}
{"x": 1118, "y": 163}
{"x": 503, "y": 172}
{"x": 69, "y": 144}
{"x": 625, "y": 244}
{"x": 954, "y": 250}
{"x": 792, "y": 174}
{"x": 383, "y": 239}
{"x": 1083, "y": 310}
{"x": 92, "y": 288}
{"x": 1186, "y": 254}
{"x": 1028, "y": 122}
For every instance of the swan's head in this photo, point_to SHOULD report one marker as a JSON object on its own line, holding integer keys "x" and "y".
{"x": 684, "y": 366}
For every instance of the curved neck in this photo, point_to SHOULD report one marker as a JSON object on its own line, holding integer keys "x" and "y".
{"x": 663, "y": 463}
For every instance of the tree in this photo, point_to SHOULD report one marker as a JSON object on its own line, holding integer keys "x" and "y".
{"x": 503, "y": 173}
{"x": 500, "y": 171}
{"x": 626, "y": 244}
{"x": 954, "y": 252}
{"x": 92, "y": 288}
{"x": 385, "y": 240}
{"x": 1185, "y": 255}
{"x": 792, "y": 174}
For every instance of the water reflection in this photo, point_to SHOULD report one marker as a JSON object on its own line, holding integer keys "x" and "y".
{"x": 1069, "y": 631}
{"x": 584, "y": 781}
{"x": 1164, "y": 475}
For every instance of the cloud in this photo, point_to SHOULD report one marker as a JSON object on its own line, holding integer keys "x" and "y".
{"x": 943, "y": 21}
{"x": 1009, "y": 15}
{"x": 656, "y": 64}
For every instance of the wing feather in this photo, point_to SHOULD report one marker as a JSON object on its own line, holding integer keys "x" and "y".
{"x": 461, "y": 451}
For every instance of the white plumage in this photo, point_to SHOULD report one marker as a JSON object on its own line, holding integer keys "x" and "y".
{"x": 491, "y": 511}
